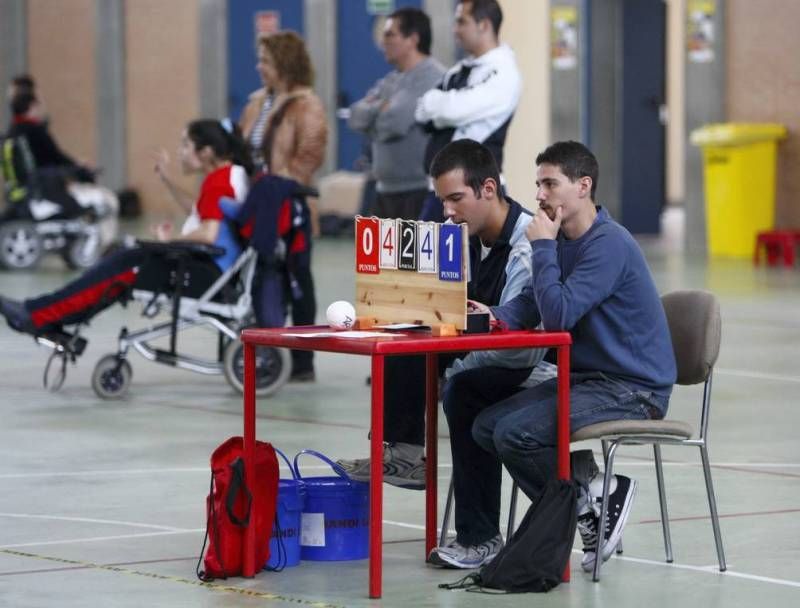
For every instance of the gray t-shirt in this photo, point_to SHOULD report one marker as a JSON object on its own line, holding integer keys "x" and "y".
{"x": 386, "y": 116}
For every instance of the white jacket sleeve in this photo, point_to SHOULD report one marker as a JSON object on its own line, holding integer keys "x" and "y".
{"x": 497, "y": 93}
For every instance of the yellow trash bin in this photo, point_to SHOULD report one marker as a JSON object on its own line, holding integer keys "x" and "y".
{"x": 739, "y": 175}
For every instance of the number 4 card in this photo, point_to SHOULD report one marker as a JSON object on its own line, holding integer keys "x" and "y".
{"x": 426, "y": 247}
{"x": 389, "y": 244}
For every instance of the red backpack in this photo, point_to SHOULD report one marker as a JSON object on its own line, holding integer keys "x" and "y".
{"x": 229, "y": 508}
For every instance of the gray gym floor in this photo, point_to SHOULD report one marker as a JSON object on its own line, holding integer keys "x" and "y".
{"x": 103, "y": 503}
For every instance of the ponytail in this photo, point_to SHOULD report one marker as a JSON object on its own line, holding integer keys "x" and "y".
{"x": 224, "y": 137}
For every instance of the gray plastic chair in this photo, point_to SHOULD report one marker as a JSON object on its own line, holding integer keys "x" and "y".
{"x": 695, "y": 326}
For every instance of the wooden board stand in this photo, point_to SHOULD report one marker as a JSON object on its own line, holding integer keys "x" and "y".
{"x": 393, "y": 295}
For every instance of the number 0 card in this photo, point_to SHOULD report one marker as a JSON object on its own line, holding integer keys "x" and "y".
{"x": 367, "y": 233}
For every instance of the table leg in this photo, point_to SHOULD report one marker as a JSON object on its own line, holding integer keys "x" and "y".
{"x": 431, "y": 444}
{"x": 563, "y": 423}
{"x": 249, "y": 546}
{"x": 376, "y": 480}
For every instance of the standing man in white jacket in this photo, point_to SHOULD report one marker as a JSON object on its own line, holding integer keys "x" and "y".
{"x": 478, "y": 95}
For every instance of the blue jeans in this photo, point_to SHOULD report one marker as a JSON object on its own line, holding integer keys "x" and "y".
{"x": 521, "y": 430}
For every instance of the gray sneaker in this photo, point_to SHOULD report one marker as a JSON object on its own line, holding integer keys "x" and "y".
{"x": 456, "y": 555}
{"x": 403, "y": 466}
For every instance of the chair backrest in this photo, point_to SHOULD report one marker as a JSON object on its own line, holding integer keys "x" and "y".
{"x": 695, "y": 326}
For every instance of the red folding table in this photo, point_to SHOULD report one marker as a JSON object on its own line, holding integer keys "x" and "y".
{"x": 412, "y": 343}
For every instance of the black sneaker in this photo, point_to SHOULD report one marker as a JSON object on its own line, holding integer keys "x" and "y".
{"x": 17, "y": 316}
{"x": 619, "y": 508}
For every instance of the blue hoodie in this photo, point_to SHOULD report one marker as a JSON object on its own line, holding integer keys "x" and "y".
{"x": 599, "y": 288}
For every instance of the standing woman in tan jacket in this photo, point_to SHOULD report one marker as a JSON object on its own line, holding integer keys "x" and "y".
{"x": 293, "y": 145}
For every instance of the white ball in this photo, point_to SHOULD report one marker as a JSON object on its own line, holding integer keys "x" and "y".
{"x": 341, "y": 315}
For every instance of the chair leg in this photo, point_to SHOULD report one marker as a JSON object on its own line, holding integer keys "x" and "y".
{"x": 448, "y": 507}
{"x": 512, "y": 511}
{"x": 662, "y": 500}
{"x": 601, "y": 527}
{"x": 712, "y": 505}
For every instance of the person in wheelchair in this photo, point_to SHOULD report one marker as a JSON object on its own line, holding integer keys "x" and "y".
{"x": 46, "y": 167}
{"x": 210, "y": 147}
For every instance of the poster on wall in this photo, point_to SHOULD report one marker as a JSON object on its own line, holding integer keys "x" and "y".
{"x": 267, "y": 22}
{"x": 700, "y": 30}
{"x": 564, "y": 37}
{"x": 380, "y": 7}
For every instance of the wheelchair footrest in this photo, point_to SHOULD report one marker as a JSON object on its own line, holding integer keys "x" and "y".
{"x": 69, "y": 343}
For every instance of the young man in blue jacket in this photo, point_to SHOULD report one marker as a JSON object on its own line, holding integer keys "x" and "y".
{"x": 589, "y": 278}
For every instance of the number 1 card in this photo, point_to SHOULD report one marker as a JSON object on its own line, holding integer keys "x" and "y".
{"x": 450, "y": 252}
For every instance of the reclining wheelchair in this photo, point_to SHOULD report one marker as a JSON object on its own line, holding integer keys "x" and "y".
{"x": 197, "y": 295}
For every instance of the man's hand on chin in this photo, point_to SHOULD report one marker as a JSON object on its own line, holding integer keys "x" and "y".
{"x": 542, "y": 227}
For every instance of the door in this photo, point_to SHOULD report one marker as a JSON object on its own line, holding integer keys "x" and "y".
{"x": 642, "y": 98}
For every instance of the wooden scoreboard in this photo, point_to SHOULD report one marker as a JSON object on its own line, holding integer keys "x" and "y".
{"x": 411, "y": 272}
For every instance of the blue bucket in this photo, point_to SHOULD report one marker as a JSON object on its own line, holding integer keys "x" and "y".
{"x": 284, "y": 542}
{"x": 335, "y": 523}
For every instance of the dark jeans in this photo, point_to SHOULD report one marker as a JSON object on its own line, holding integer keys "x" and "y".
{"x": 405, "y": 205}
{"x": 477, "y": 473}
{"x": 304, "y": 312}
{"x": 520, "y": 430}
{"x": 404, "y": 397}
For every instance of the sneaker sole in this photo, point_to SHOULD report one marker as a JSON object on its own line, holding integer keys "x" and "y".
{"x": 399, "y": 482}
{"x": 616, "y": 534}
{"x": 589, "y": 565}
{"x": 443, "y": 561}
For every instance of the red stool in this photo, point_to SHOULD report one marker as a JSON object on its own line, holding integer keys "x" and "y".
{"x": 779, "y": 244}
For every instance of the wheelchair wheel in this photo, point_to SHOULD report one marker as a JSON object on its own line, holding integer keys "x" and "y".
{"x": 83, "y": 251}
{"x": 111, "y": 378}
{"x": 273, "y": 366}
{"x": 20, "y": 245}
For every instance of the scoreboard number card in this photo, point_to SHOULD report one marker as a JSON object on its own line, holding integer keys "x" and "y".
{"x": 389, "y": 244}
{"x": 367, "y": 245}
{"x": 426, "y": 247}
{"x": 408, "y": 245}
{"x": 450, "y": 252}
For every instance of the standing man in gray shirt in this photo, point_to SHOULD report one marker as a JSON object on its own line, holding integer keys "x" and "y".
{"x": 386, "y": 115}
